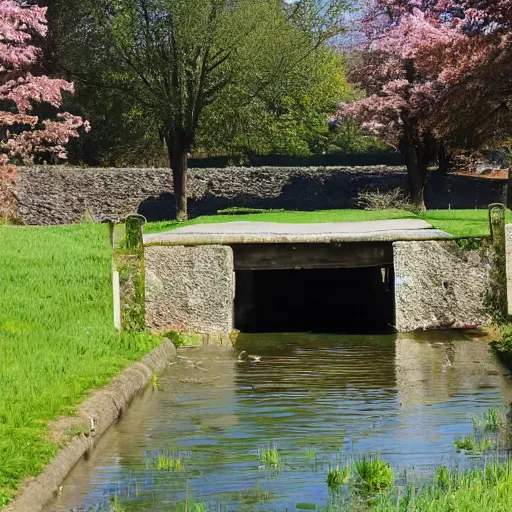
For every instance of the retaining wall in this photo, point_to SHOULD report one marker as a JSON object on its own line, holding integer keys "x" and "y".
{"x": 60, "y": 195}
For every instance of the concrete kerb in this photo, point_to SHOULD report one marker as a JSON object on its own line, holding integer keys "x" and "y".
{"x": 97, "y": 413}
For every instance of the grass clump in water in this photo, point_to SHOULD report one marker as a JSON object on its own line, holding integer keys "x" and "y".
{"x": 373, "y": 475}
{"x": 337, "y": 477}
{"x": 470, "y": 444}
{"x": 491, "y": 421}
{"x": 310, "y": 453}
{"x": 168, "y": 463}
{"x": 270, "y": 456}
{"x": 477, "y": 490}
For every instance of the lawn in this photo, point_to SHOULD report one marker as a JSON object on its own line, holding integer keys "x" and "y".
{"x": 460, "y": 223}
{"x": 57, "y": 339}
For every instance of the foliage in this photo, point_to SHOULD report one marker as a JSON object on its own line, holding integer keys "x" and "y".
{"x": 270, "y": 456}
{"x": 429, "y": 68}
{"x": 172, "y": 59}
{"x": 470, "y": 444}
{"x": 168, "y": 463}
{"x": 337, "y": 477}
{"x": 373, "y": 475}
{"x": 288, "y": 118}
{"x": 374, "y": 199}
{"x": 26, "y": 132}
{"x": 492, "y": 420}
{"x": 57, "y": 339}
{"x": 474, "y": 490}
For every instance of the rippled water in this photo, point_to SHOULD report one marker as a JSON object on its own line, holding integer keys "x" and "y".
{"x": 322, "y": 400}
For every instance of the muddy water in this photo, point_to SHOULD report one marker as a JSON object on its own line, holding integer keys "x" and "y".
{"x": 321, "y": 400}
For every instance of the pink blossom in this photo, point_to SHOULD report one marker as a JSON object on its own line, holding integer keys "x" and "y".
{"x": 24, "y": 134}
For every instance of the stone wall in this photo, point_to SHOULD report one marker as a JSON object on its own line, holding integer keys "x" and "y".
{"x": 439, "y": 286}
{"x": 189, "y": 289}
{"x": 59, "y": 195}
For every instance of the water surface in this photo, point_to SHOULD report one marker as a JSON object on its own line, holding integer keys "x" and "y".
{"x": 321, "y": 400}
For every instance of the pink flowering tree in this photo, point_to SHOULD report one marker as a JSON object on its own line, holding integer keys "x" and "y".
{"x": 476, "y": 72}
{"x": 402, "y": 89}
{"x": 24, "y": 134}
{"x": 435, "y": 71}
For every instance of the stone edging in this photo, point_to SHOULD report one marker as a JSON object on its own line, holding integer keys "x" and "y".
{"x": 98, "y": 412}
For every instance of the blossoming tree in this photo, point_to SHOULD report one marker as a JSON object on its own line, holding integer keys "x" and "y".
{"x": 434, "y": 71}
{"x": 24, "y": 133}
{"x": 401, "y": 94}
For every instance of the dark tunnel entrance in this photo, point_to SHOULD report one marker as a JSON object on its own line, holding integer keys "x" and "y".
{"x": 327, "y": 300}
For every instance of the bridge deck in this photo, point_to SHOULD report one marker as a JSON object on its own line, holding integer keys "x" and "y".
{"x": 231, "y": 233}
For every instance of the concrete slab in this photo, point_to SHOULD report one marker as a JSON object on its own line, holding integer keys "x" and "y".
{"x": 272, "y": 232}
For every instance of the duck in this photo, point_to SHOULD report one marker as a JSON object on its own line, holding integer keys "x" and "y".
{"x": 244, "y": 356}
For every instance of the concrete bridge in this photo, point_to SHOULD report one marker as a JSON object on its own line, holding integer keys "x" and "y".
{"x": 380, "y": 276}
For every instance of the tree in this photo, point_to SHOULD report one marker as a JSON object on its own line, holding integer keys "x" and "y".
{"x": 25, "y": 131}
{"x": 476, "y": 74}
{"x": 439, "y": 76}
{"x": 174, "y": 58}
{"x": 287, "y": 118}
{"x": 401, "y": 95}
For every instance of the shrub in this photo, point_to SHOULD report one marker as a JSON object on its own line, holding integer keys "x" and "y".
{"x": 372, "y": 198}
{"x": 8, "y": 204}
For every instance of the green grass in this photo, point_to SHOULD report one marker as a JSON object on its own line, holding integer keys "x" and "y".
{"x": 169, "y": 463}
{"x": 460, "y": 223}
{"x": 337, "y": 477}
{"x": 57, "y": 339}
{"x": 270, "y": 456}
{"x": 488, "y": 489}
{"x": 470, "y": 444}
{"x": 491, "y": 421}
{"x": 373, "y": 475}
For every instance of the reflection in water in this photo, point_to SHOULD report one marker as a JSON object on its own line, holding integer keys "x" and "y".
{"x": 321, "y": 399}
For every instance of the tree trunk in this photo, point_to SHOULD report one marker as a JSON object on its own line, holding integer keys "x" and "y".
{"x": 178, "y": 158}
{"x": 415, "y": 156}
{"x": 444, "y": 158}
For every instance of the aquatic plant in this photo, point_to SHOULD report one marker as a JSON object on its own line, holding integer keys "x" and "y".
{"x": 169, "y": 463}
{"x": 252, "y": 496}
{"x": 488, "y": 489}
{"x": 373, "y": 474}
{"x": 155, "y": 383}
{"x": 470, "y": 444}
{"x": 310, "y": 453}
{"x": 443, "y": 477}
{"x": 270, "y": 456}
{"x": 337, "y": 476}
{"x": 491, "y": 421}
{"x": 190, "y": 505}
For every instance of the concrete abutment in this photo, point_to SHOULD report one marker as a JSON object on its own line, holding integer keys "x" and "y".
{"x": 403, "y": 286}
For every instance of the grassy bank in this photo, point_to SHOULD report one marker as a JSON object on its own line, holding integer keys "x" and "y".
{"x": 57, "y": 339}
{"x": 488, "y": 489}
{"x": 461, "y": 223}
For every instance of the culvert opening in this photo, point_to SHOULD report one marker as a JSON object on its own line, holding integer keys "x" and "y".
{"x": 347, "y": 300}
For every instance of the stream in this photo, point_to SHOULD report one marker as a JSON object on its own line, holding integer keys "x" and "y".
{"x": 320, "y": 401}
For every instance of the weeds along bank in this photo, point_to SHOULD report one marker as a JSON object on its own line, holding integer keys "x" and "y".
{"x": 57, "y": 340}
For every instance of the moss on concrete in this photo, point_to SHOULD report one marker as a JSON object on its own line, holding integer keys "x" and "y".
{"x": 129, "y": 262}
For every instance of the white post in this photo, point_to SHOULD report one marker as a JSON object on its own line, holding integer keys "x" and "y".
{"x": 117, "y": 300}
